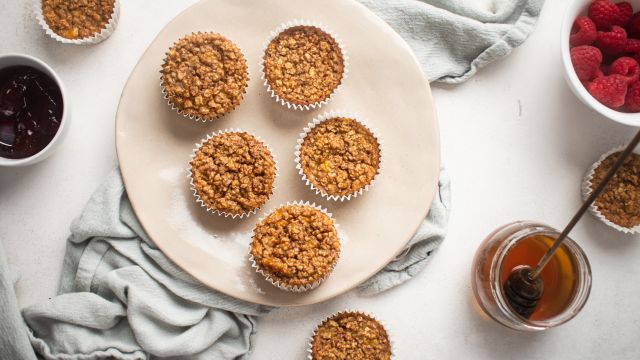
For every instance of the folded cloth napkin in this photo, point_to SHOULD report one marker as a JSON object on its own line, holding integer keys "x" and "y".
{"x": 454, "y": 38}
{"x": 14, "y": 343}
{"x": 121, "y": 298}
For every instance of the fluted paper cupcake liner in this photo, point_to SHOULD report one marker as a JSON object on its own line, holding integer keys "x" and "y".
{"x": 91, "y": 40}
{"x": 587, "y": 189}
{"x": 315, "y": 330}
{"x": 301, "y": 22}
{"x": 295, "y": 288}
{"x": 195, "y": 191}
{"x": 330, "y": 115}
{"x": 180, "y": 111}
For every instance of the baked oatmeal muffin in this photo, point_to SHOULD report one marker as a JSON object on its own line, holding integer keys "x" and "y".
{"x": 303, "y": 65}
{"x": 620, "y": 201}
{"x": 339, "y": 157}
{"x": 350, "y": 336}
{"x": 77, "y": 19}
{"x": 295, "y": 247}
{"x": 204, "y": 75}
{"x": 233, "y": 173}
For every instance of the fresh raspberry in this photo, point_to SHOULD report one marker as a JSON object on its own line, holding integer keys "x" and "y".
{"x": 612, "y": 42}
{"x": 632, "y": 102}
{"x": 625, "y": 14}
{"x": 598, "y": 74}
{"x": 633, "y": 48}
{"x": 586, "y": 61}
{"x": 583, "y": 32}
{"x": 633, "y": 27}
{"x": 626, "y": 67}
{"x": 609, "y": 90}
{"x": 604, "y": 14}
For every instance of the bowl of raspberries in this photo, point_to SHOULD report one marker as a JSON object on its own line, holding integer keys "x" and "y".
{"x": 601, "y": 56}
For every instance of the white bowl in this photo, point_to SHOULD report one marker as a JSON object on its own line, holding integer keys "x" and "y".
{"x": 26, "y": 60}
{"x": 577, "y": 8}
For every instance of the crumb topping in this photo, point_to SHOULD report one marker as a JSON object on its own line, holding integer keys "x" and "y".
{"x": 620, "y": 201}
{"x": 296, "y": 245}
{"x": 233, "y": 172}
{"x": 77, "y": 19}
{"x": 340, "y": 156}
{"x": 303, "y": 65}
{"x": 205, "y": 75}
{"x": 351, "y": 336}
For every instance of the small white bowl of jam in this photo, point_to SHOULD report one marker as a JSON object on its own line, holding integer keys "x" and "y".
{"x": 34, "y": 110}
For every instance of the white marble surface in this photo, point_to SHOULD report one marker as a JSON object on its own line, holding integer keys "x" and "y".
{"x": 516, "y": 143}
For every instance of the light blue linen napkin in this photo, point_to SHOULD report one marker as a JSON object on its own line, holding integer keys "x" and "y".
{"x": 454, "y": 38}
{"x": 121, "y": 298}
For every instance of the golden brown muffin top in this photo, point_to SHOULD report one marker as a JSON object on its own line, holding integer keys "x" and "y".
{"x": 204, "y": 75}
{"x": 233, "y": 172}
{"x": 296, "y": 245}
{"x": 303, "y": 65}
{"x": 350, "y": 336}
{"x": 620, "y": 201}
{"x": 77, "y": 19}
{"x": 340, "y": 156}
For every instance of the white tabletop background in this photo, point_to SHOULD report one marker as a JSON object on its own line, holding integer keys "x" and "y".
{"x": 515, "y": 141}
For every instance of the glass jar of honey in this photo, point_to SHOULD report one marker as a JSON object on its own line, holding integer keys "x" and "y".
{"x": 567, "y": 277}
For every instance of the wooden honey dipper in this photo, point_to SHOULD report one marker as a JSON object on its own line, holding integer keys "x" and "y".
{"x": 524, "y": 287}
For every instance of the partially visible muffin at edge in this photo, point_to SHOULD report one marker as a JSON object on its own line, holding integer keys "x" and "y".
{"x": 350, "y": 336}
{"x": 620, "y": 201}
{"x": 77, "y": 19}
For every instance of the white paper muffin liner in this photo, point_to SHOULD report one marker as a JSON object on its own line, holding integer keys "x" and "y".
{"x": 315, "y": 330}
{"x": 91, "y": 40}
{"x": 587, "y": 188}
{"x": 330, "y": 115}
{"x": 301, "y": 22}
{"x": 193, "y": 187}
{"x": 295, "y": 288}
{"x": 172, "y": 105}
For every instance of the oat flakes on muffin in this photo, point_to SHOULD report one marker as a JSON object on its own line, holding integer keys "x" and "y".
{"x": 620, "y": 201}
{"x": 350, "y": 336}
{"x": 204, "y": 75}
{"x": 303, "y": 65}
{"x": 233, "y": 173}
{"x": 339, "y": 156}
{"x": 77, "y": 19}
{"x": 296, "y": 246}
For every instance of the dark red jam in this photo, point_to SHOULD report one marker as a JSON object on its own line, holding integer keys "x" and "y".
{"x": 30, "y": 111}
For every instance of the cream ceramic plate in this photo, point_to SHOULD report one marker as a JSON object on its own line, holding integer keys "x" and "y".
{"x": 385, "y": 85}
